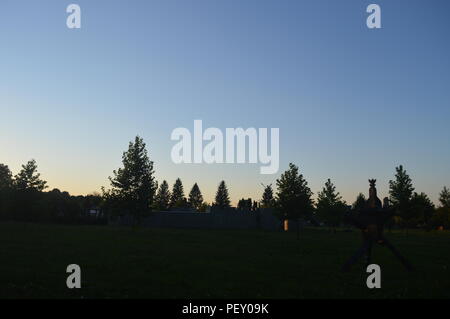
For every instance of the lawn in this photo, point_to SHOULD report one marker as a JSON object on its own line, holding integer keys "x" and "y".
{"x": 117, "y": 262}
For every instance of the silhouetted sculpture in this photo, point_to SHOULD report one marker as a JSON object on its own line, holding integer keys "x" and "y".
{"x": 371, "y": 220}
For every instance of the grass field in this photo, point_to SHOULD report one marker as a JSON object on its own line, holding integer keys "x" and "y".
{"x": 168, "y": 263}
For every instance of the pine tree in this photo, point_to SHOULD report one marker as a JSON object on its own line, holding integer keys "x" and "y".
{"x": 330, "y": 206}
{"x": 444, "y": 197}
{"x": 400, "y": 193}
{"x": 162, "y": 198}
{"x": 195, "y": 197}
{"x": 177, "y": 199}
{"x": 293, "y": 196}
{"x": 133, "y": 185}
{"x": 222, "y": 197}
{"x": 29, "y": 179}
{"x": 268, "y": 200}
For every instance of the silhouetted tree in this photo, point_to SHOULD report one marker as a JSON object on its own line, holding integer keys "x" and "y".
{"x": 268, "y": 201}
{"x": 400, "y": 192}
{"x": 203, "y": 207}
{"x": 441, "y": 217}
{"x": 27, "y": 197}
{"x": 222, "y": 197}
{"x": 360, "y": 202}
{"x": 330, "y": 206}
{"x": 6, "y": 180}
{"x": 162, "y": 199}
{"x": 245, "y": 204}
{"x": 6, "y": 192}
{"x": 195, "y": 197}
{"x": 422, "y": 209}
{"x": 177, "y": 198}
{"x": 133, "y": 185}
{"x": 444, "y": 197}
{"x": 293, "y": 196}
{"x": 29, "y": 179}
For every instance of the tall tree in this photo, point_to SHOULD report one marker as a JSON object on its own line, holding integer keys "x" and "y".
{"x": 293, "y": 196}
{"x": 162, "y": 199}
{"x": 330, "y": 206}
{"x": 400, "y": 194}
{"x": 444, "y": 197}
{"x": 6, "y": 179}
{"x": 222, "y": 197}
{"x": 133, "y": 185}
{"x": 195, "y": 197}
{"x": 177, "y": 198}
{"x": 268, "y": 201}
{"x": 29, "y": 179}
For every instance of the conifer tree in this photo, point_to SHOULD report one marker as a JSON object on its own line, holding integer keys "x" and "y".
{"x": 330, "y": 206}
{"x": 29, "y": 179}
{"x": 133, "y": 185}
{"x": 293, "y": 196}
{"x": 400, "y": 194}
{"x": 268, "y": 201}
{"x": 177, "y": 198}
{"x": 195, "y": 197}
{"x": 162, "y": 198}
{"x": 444, "y": 197}
{"x": 222, "y": 197}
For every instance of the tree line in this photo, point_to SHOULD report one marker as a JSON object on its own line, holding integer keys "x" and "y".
{"x": 135, "y": 192}
{"x": 22, "y": 198}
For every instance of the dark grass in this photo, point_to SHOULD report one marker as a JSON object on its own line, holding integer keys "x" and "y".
{"x": 118, "y": 262}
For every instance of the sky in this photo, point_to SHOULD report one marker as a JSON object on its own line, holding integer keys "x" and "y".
{"x": 351, "y": 103}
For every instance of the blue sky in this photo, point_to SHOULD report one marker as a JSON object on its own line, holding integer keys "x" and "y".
{"x": 351, "y": 103}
